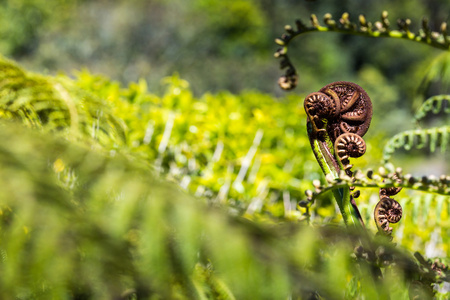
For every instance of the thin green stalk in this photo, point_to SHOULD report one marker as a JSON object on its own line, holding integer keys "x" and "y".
{"x": 324, "y": 153}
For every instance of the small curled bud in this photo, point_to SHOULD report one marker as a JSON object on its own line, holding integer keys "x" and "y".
{"x": 320, "y": 105}
{"x": 289, "y": 29}
{"x": 344, "y": 20}
{"x": 387, "y": 211}
{"x": 349, "y": 145}
{"x": 377, "y": 178}
{"x": 379, "y": 26}
{"x": 330, "y": 179}
{"x": 384, "y": 20}
{"x": 314, "y": 21}
{"x": 412, "y": 180}
{"x": 288, "y": 82}
{"x": 280, "y": 42}
{"x": 391, "y": 191}
{"x": 435, "y": 35}
{"x": 300, "y": 26}
{"x": 362, "y": 20}
{"x": 444, "y": 29}
{"x": 403, "y": 24}
{"x": 303, "y": 203}
{"x": 316, "y": 183}
{"x": 327, "y": 18}
{"x": 382, "y": 172}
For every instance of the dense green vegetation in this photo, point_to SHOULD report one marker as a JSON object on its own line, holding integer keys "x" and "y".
{"x": 185, "y": 182}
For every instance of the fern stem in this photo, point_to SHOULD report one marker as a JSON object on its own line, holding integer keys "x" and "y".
{"x": 417, "y": 186}
{"x": 331, "y": 169}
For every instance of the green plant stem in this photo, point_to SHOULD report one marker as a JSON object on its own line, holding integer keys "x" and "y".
{"x": 330, "y": 167}
{"x": 371, "y": 33}
{"x": 417, "y": 187}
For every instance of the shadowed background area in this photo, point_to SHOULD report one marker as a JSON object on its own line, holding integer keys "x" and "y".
{"x": 215, "y": 45}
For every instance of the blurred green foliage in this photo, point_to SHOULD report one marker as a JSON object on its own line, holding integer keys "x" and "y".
{"x": 84, "y": 215}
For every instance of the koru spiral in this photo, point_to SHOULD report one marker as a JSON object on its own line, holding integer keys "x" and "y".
{"x": 338, "y": 108}
{"x": 339, "y": 115}
{"x": 388, "y": 210}
{"x": 349, "y": 145}
{"x": 342, "y": 111}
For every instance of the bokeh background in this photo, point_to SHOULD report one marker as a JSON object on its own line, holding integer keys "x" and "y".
{"x": 216, "y": 45}
{"x": 228, "y": 46}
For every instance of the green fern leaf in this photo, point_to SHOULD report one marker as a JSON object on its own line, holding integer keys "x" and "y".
{"x": 343, "y": 24}
{"x": 435, "y": 105}
{"x": 55, "y": 104}
{"x": 418, "y": 139}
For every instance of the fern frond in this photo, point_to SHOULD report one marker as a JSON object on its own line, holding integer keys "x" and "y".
{"x": 427, "y": 208}
{"x": 435, "y": 105}
{"x": 380, "y": 28}
{"x": 429, "y": 184}
{"x": 418, "y": 139}
{"x": 55, "y": 104}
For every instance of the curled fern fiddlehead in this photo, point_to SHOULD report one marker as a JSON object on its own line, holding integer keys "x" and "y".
{"x": 388, "y": 210}
{"x": 349, "y": 145}
{"x": 339, "y": 107}
{"x": 339, "y": 115}
{"x": 319, "y": 106}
